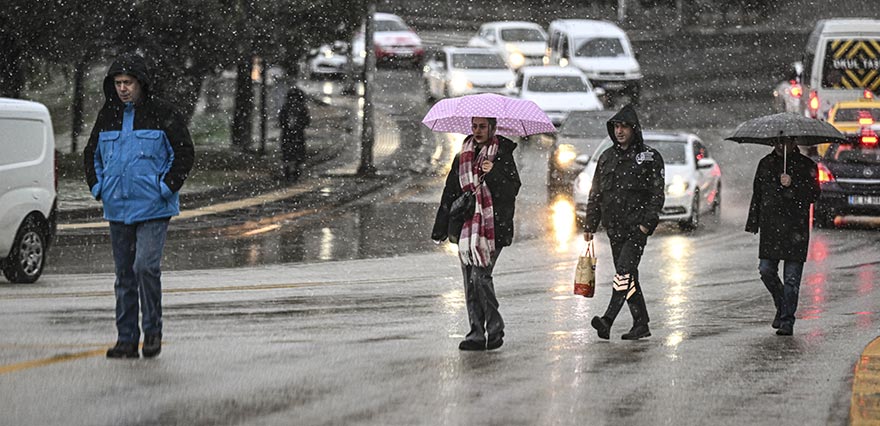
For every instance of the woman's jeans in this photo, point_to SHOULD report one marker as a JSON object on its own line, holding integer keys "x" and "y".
{"x": 785, "y": 292}
{"x": 137, "y": 252}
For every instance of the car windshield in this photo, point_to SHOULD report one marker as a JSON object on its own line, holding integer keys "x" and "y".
{"x": 477, "y": 61}
{"x": 673, "y": 152}
{"x": 521, "y": 35}
{"x": 853, "y": 153}
{"x": 599, "y": 48}
{"x": 555, "y": 83}
{"x": 852, "y": 114}
{"x": 585, "y": 124}
{"x": 382, "y": 26}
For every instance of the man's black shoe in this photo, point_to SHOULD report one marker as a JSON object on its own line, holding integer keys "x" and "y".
{"x": 637, "y": 332}
{"x": 152, "y": 345}
{"x": 494, "y": 343}
{"x": 470, "y": 345}
{"x": 776, "y": 323}
{"x": 123, "y": 350}
{"x": 785, "y": 330}
{"x": 602, "y": 326}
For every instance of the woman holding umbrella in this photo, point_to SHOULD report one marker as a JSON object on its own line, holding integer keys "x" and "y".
{"x": 486, "y": 167}
{"x": 786, "y": 183}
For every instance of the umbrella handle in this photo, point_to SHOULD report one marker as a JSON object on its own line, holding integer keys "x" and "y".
{"x": 784, "y": 159}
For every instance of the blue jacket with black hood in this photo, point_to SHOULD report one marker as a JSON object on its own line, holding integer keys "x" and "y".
{"x": 138, "y": 154}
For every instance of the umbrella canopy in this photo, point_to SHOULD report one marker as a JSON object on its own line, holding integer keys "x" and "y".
{"x": 516, "y": 117}
{"x": 786, "y": 127}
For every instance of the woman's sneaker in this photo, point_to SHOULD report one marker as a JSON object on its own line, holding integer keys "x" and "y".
{"x": 123, "y": 350}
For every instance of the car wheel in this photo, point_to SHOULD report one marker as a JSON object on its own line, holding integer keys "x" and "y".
{"x": 428, "y": 95}
{"x": 693, "y": 222}
{"x": 716, "y": 206}
{"x": 28, "y": 256}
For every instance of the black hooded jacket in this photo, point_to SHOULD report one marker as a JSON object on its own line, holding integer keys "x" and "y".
{"x": 151, "y": 113}
{"x": 628, "y": 185}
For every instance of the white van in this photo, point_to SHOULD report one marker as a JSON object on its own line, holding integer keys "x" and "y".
{"x": 601, "y": 50}
{"x": 27, "y": 188}
{"x": 841, "y": 60}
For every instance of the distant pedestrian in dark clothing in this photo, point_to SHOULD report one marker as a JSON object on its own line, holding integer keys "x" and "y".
{"x": 627, "y": 196}
{"x": 137, "y": 158}
{"x": 293, "y": 120}
{"x": 780, "y": 210}
{"x": 487, "y": 168}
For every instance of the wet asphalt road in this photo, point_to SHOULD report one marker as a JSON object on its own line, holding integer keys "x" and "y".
{"x": 263, "y": 329}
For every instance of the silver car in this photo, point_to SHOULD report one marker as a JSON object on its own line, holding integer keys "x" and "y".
{"x": 693, "y": 179}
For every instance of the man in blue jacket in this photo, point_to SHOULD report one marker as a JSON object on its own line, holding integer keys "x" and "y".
{"x": 136, "y": 160}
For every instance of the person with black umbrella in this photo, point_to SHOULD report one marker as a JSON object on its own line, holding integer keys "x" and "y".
{"x": 786, "y": 183}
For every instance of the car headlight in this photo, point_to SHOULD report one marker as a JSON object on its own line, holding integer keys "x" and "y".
{"x": 460, "y": 83}
{"x": 677, "y": 187}
{"x": 516, "y": 59}
{"x": 565, "y": 155}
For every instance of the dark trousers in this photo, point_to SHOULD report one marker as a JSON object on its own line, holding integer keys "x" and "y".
{"x": 482, "y": 305}
{"x": 627, "y": 247}
{"x": 784, "y": 292}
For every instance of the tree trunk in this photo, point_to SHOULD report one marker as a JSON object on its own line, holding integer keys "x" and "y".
{"x": 76, "y": 107}
{"x": 244, "y": 104}
{"x": 11, "y": 74}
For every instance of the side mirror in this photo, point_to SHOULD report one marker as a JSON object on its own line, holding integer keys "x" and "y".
{"x": 582, "y": 159}
{"x": 705, "y": 163}
{"x": 599, "y": 91}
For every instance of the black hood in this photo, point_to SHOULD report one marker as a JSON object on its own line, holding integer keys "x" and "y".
{"x": 130, "y": 64}
{"x": 628, "y": 115}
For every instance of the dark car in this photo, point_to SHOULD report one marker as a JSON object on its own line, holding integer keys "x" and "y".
{"x": 578, "y": 136}
{"x": 850, "y": 178}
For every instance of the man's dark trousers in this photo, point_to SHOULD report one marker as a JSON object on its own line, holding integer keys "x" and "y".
{"x": 627, "y": 246}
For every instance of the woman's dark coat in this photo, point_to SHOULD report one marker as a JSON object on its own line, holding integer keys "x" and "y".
{"x": 781, "y": 214}
{"x": 503, "y": 181}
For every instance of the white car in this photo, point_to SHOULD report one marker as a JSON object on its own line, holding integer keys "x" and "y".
{"x": 327, "y": 61}
{"x": 557, "y": 91}
{"x": 693, "y": 179}
{"x": 457, "y": 71}
{"x": 393, "y": 42}
{"x": 27, "y": 189}
{"x": 521, "y": 43}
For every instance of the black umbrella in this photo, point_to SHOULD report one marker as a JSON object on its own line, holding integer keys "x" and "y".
{"x": 786, "y": 127}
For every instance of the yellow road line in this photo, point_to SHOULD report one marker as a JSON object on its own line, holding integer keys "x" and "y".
{"x": 270, "y": 197}
{"x": 864, "y": 408}
{"x": 11, "y": 368}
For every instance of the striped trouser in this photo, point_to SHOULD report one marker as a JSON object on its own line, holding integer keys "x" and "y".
{"x": 627, "y": 247}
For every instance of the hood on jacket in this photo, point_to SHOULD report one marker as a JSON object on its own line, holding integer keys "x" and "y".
{"x": 131, "y": 64}
{"x": 627, "y": 115}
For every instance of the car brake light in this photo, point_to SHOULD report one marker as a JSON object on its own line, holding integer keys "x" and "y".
{"x": 825, "y": 175}
{"x": 870, "y": 140}
{"x": 865, "y": 118}
{"x": 868, "y": 94}
{"x": 814, "y": 103}
{"x": 796, "y": 90}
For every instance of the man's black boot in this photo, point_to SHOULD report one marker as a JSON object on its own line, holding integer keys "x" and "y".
{"x": 123, "y": 350}
{"x": 602, "y": 326}
{"x": 785, "y": 330}
{"x": 471, "y": 345}
{"x": 637, "y": 332}
{"x": 152, "y": 345}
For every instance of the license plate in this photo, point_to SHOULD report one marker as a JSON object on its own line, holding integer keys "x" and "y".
{"x": 864, "y": 200}
{"x": 613, "y": 86}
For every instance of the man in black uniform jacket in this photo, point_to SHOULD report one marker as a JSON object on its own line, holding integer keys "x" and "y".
{"x": 626, "y": 197}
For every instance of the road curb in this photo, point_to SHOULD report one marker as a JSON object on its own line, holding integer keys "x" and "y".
{"x": 864, "y": 406}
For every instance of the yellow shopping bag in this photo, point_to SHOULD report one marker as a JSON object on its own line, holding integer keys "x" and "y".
{"x": 585, "y": 274}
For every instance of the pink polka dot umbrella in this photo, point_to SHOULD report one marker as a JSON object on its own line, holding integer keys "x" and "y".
{"x": 516, "y": 117}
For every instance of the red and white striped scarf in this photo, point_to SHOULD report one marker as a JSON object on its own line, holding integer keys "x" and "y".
{"x": 476, "y": 244}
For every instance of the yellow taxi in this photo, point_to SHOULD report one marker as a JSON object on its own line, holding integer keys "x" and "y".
{"x": 853, "y": 118}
